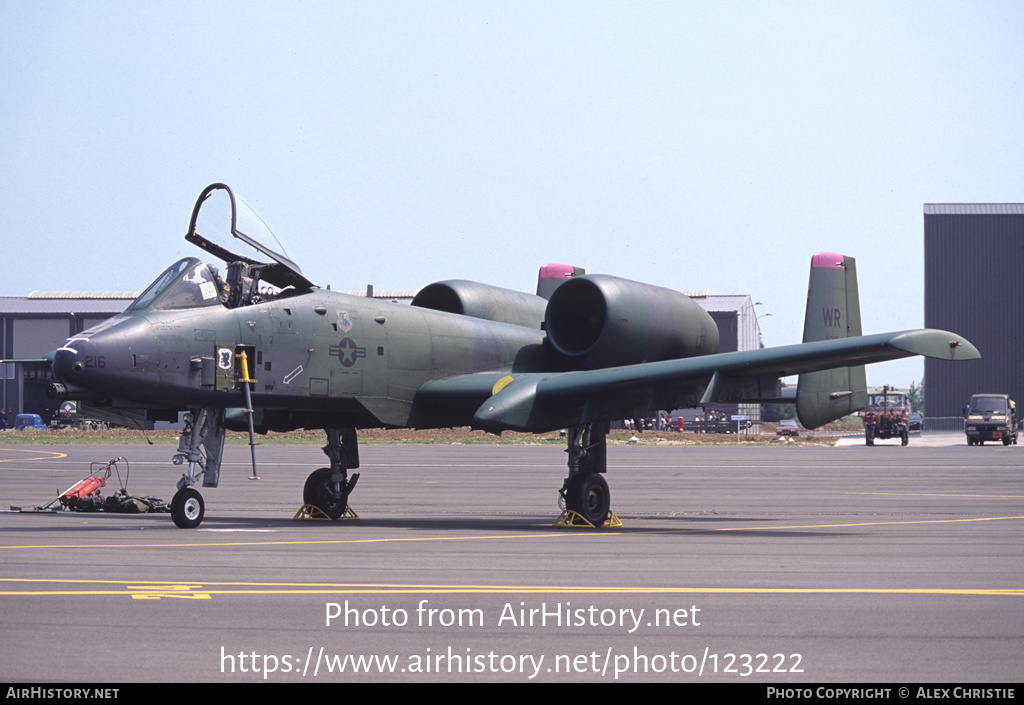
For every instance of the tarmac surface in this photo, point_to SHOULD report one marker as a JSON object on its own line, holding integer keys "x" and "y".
{"x": 739, "y": 564}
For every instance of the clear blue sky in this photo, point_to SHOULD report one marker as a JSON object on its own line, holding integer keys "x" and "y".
{"x": 694, "y": 145}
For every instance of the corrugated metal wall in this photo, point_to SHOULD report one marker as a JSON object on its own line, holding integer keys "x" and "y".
{"x": 974, "y": 286}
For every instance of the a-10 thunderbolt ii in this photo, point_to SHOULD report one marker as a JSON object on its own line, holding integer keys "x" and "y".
{"x": 261, "y": 347}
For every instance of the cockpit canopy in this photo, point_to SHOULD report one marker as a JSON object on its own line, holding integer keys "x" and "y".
{"x": 188, "y": 283}
{"x": 227, "y": 214}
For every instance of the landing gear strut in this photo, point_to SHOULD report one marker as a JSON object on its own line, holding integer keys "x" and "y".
{"x": 585, "y": 490}
{"x": 201, "y": 445}
{"x": 328, "y": 489}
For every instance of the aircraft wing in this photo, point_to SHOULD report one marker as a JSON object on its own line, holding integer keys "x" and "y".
{"x": 539, "y": 402}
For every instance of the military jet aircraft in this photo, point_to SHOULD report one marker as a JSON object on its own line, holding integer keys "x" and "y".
{"x": 261, "y": 347}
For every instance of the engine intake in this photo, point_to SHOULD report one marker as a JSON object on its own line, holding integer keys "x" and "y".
{"x": 602, "y": 321}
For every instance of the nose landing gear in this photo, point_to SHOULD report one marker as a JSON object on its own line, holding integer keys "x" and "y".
{"x": 187, "y": 508}
{"x": 201, "y": 445}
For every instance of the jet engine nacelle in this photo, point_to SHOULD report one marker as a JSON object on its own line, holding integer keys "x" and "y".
{"x": 491, "y": 303}
{"x": 598, "y": 321}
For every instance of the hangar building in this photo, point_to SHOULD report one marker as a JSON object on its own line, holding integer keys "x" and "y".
{"x": 33, "y": 325}
{"x": 973, "y": 265}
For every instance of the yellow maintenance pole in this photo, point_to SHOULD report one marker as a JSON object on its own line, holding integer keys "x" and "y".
{"x": 248, "y": 409}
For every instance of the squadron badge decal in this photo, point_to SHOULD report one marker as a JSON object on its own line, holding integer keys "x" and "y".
{"x": 225, "y": 358}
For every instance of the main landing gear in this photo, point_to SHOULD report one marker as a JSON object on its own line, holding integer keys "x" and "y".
{"x": 585, "y": 491}
{"x": 328, "y": 489}
{"x": 201, "y": 446}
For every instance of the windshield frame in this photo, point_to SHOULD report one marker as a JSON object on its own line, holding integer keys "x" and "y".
{"x": 988, "y": 405}
{"x": 188, "y": 283}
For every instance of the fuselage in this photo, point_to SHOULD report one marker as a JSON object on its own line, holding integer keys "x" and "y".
{"x": 315, "y": 358}
{"x": 359, "y": 359}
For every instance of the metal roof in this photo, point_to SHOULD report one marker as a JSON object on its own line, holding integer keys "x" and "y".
{"x": 21, "y": 305}
{"x": 130, "y": 295}
{"x": 724, "y": 302}
{"x": 384, "y": 293}
{"x": 974, "y": 208}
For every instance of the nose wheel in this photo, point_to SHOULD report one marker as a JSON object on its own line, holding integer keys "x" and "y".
{"x": 187, "y": 508}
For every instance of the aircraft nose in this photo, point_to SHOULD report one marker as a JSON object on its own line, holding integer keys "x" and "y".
{"x": 75, "y": 360}
{"x": 67, "y": 369}
{"x": 63, "y": 362}
{"x": 94, "y": 359}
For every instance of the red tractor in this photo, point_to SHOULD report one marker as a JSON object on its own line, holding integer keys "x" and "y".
{"x": 886, "y": 421}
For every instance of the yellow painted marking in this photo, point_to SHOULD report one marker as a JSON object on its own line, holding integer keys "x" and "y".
{"x": 43, "y": 455}
{"x": 936, "y": 494}
{"x": 501, "y": 384}
{"x": 234, "y": 588}
{"x": 155, "y": 592}
{"x": 840, "y": 526}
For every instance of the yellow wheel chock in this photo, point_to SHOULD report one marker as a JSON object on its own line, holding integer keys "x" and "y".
{"x": 309, "y": 512}
{"x": 572, "y": 520}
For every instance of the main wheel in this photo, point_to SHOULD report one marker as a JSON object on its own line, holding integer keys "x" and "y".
{"x": 187, "y": 508}
{"x": 317, "y": 491}
{"x": 589, "y": 497}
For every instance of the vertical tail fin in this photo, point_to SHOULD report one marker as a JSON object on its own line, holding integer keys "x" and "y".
{"x": 833, "y": 311}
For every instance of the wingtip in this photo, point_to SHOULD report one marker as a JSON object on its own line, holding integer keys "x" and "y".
{"x": 962, "y": 349}
{"x": 937, "y": 344}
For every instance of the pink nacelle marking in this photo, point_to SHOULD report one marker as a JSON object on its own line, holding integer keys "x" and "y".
{"x": 556, "y": 271}
{"x": 830, "y": 260}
